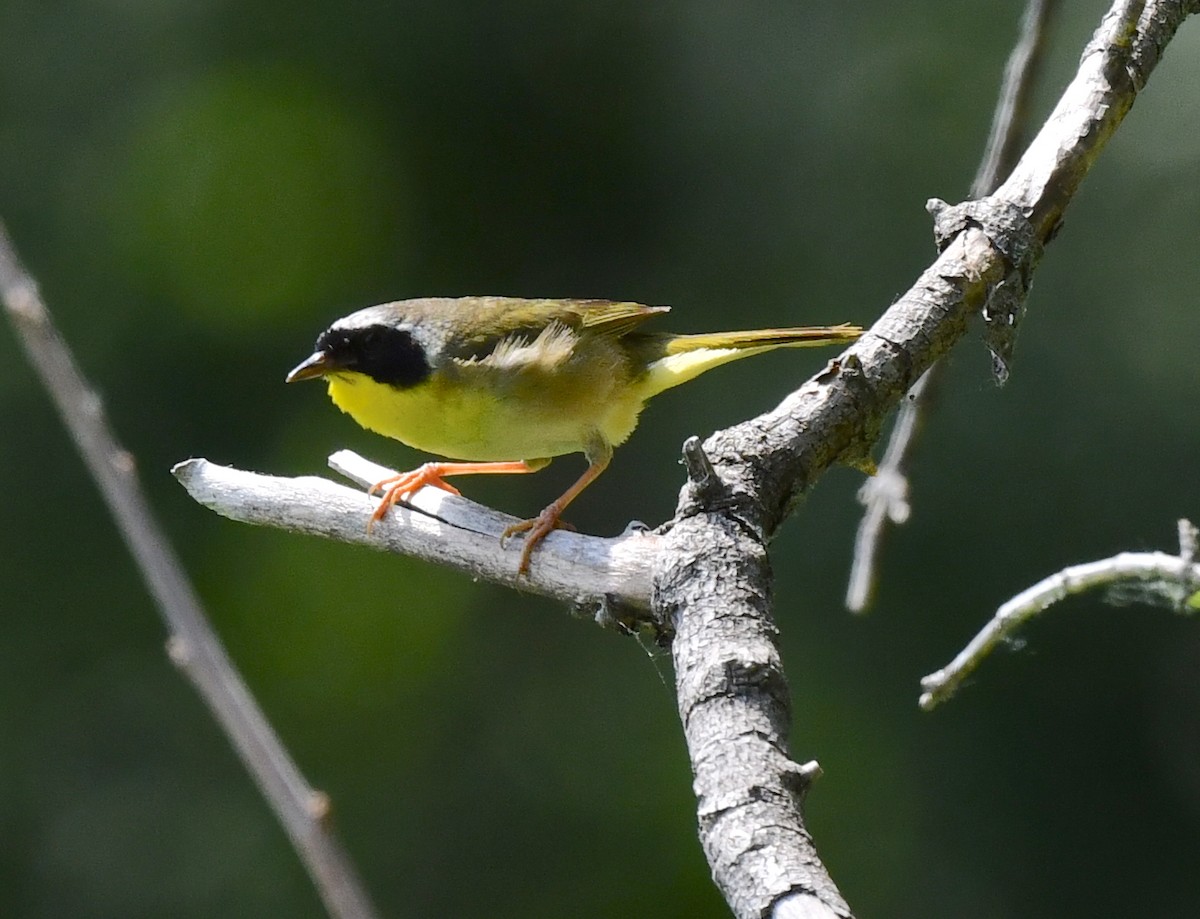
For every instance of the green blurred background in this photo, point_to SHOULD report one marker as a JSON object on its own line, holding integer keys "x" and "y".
{"x": 200, "y": 187}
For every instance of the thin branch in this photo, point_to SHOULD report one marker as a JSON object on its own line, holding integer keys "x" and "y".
{"x": 885, "y": 495}
{"x": 192, "y": 646}
{"x": 610, "y": 578}
{"x": 1147, "y": 577}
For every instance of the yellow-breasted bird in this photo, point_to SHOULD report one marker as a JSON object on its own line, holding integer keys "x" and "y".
{"x": 506, "y": 384}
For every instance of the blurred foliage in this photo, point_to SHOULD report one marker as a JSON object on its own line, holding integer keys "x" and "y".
{"x": 248, "y": 192}
{"x": 200, "y": 187}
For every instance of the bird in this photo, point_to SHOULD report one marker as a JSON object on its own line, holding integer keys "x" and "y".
{"x": 502, "y": 385}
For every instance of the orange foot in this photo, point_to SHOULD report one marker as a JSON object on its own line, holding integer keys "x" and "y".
{"x": 401, "y": 486}
{"x": 538, "y": 528}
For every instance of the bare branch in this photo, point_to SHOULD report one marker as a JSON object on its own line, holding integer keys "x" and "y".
{"x": 192, "y": 646}
{"x": 885, "y": 495}
{"x": 712, "y": 576}
{"x": 608, "y": 577}
{"x": 1148, "y": 577}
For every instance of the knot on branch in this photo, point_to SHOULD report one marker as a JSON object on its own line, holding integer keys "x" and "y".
{"x": 799, "y": 778}
{"x": 707, "y": 492}
{"x": 702, "y": 477}
{"x": 1015, "y": 238}
{"x": 1004, "y": 223}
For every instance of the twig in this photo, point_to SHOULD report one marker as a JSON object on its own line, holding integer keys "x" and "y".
{"x": 885, "y": 495}
{"x": 607, "y": 575}
{"x": 1148, "y": 577}
{"x": 192, "y": 645}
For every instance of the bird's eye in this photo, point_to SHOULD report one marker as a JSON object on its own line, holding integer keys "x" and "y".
{"x": 388, "y": 355}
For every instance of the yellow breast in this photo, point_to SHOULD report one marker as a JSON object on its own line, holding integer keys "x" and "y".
{"x": 458, "y": 420}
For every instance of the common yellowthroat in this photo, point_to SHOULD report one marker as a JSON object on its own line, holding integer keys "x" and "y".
{"x": 508, "y": 384}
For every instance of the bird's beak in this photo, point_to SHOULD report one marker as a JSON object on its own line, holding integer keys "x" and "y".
{"x": 317, "y": 365}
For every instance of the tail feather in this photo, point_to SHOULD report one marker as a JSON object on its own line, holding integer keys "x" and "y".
{"x": 685, "y": 357}
{"x": 807, "y": 337}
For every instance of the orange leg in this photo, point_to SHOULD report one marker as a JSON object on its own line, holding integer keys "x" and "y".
{"x": 401, "y": 486}
{"x": 599, "y": 453}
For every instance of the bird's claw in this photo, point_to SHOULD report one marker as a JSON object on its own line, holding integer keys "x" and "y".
{"x": 538, "y": 528}
{"x": 406, "y": 484}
